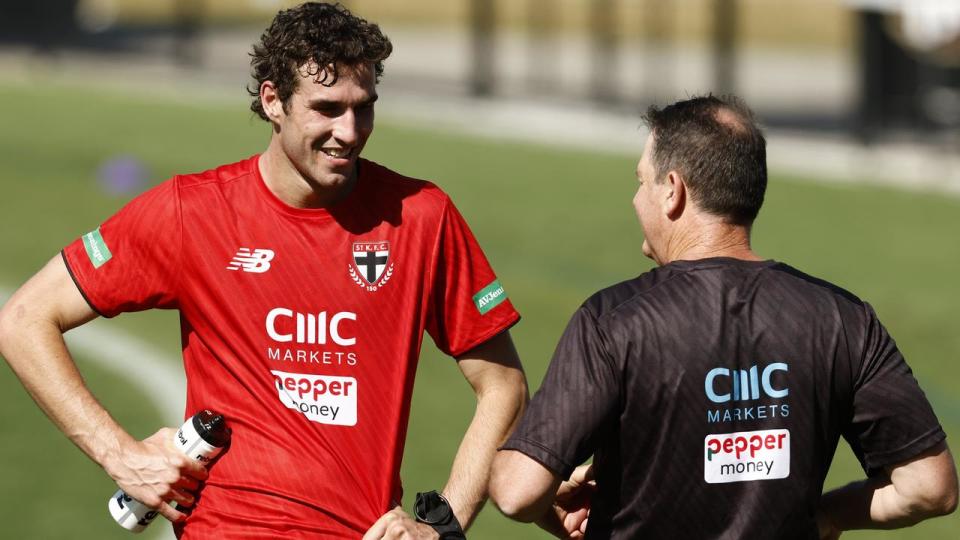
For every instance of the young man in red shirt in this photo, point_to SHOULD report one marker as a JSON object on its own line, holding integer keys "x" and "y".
{"x": 305, "y": 277}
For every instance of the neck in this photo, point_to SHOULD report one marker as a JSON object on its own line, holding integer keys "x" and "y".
{"x": 712, "y": 238}
{"x": 285, "y": 181}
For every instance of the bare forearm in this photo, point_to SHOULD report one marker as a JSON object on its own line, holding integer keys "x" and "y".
{"x": 921, "y": 488}
{"x": 866, "y": 504}
{"x": 32, "y": 324}
{"x": 870, "y": 504}
{"x": 34, "y": 348}
{"x": 496, "y": 415}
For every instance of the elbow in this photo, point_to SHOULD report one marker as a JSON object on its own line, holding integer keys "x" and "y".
{"x": 517, "y": 513}
{"x": 947, "y": 502}
{"x": 517, "y": 395}
{"x": 950, "y": 505}
{"x": 944, "y": 496}
{"x": 509, "y": 496}
{"x": 510, "y": 397}
{"x": 513, "y": 504}
{"x": 933, "y": 506}
{"x": 939, "y": 499}
{"x": 513, "y": 388}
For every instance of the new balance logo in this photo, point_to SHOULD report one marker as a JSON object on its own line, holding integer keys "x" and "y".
{"x": 256, "y": 261}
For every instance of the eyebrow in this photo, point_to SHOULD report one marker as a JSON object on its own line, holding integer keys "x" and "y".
{"x": 323, "y": 103}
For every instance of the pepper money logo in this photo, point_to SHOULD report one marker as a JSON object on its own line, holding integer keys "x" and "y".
{"x": 321, "y": 398}
{"x": 746, "y": 456}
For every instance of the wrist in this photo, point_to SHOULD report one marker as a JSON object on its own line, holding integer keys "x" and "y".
{"x": 433, "y": 509}
{"x": 112, "y": 456}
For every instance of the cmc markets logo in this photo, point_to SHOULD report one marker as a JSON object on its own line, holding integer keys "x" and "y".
{"x": 725, "y": 386}
{"x": 746, "y": 384}
{"x": 285, "y": 325}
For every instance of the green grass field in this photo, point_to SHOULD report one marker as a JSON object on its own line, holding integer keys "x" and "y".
{"x": 557, "y": 225}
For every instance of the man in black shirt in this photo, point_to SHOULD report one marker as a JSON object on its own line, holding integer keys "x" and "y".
{"x": 712, "y": 391}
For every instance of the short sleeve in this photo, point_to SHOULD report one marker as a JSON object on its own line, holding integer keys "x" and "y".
{"x": 580, "y": 396}
{"x": 131, "y": 261}
{"x": 468, "y": 304}
{"x": 892, "y": 419}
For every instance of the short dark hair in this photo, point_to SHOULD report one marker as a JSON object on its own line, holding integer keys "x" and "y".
{"x": 327, "y": 35}
{"x": 718, "y": 149}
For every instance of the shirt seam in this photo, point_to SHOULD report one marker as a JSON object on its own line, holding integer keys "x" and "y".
{"x": 178, "y": 204}
{"x": 876, "y": 460}
{"x": 434, "y": 262}
{"x": 66, "y": 262}
{"x": 607, "y": 358}
{"x": 487, "y": 336}
{"x": 678, "y": 272}
{"x": 541, "y": 446}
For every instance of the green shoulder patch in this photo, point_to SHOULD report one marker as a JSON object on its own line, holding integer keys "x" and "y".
{"x": 489, "y": 297}
{"x": 97, "y": 249}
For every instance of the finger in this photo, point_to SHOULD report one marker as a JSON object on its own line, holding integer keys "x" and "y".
{"x": 194, "y": 472}
{"x": 187, "y": 483}
{"x": 171, "y": 513}
{"x": 399, "y": 525}
{"x": 193, "y": 469}
{"x": 401, "y": 529}
{"x": 377, "y": 530}
{"x": 395, "y": 531}
{"x": 581, "y": 474}
{"x": 572, "y": 518}
{"x": 182, "y": 498}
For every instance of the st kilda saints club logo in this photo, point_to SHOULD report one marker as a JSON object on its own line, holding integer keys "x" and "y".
{"x": 371, "y": 268}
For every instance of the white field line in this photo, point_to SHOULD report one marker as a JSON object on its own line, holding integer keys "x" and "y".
{"x": 156, "y": 374}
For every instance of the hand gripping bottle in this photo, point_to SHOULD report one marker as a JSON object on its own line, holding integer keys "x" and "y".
{"x": 202, "y": 438}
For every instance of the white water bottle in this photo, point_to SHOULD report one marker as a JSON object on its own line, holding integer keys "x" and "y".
{"x": 202, "y": 437}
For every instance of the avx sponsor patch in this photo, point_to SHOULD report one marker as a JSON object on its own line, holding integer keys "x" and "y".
{"x": 97, "y": 249}
{"x": 746, "y": 456}
{"x": 323, "y": 399}
{"x": 489, "y": 297}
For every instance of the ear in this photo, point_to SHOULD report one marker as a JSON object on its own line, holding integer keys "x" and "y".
{"x": 674, "y": 196}
{"x": 270, "y": 101}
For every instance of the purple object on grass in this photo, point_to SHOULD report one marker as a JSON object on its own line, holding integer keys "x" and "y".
{"x": 122, "y": 175}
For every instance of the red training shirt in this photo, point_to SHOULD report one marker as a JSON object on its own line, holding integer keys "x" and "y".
{"x": 302, "y": 327}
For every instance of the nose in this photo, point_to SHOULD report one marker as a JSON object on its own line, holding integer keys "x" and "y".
{"x": 345, "y": 130}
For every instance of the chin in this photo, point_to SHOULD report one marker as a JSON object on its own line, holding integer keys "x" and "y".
{"x": 331, "y": 178}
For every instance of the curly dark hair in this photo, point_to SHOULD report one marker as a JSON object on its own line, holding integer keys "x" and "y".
{"x": 327, "y": 36}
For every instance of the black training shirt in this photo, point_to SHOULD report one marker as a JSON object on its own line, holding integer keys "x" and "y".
{"x": 712, "y": 394}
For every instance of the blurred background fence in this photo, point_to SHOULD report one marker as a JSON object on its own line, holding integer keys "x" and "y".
{"x": 874, "y": 69}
